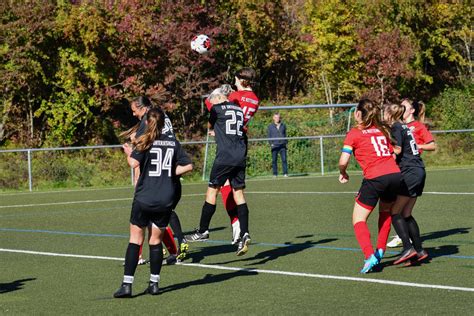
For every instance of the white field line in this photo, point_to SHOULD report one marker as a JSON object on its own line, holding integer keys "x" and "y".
{"x": 261, "y": 271}
{"x": 311, "y": 176}
{"x": 202, "y": 194}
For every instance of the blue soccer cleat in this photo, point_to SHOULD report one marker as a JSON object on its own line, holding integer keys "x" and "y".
{"x": 379, "y": 254}
{"x": 369, "y": 264}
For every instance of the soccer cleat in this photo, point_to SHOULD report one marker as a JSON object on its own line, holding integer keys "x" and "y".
{"x": 183, "y": 250}
{"x": 369, "y": 264}
{"x": 125, "y": 290}
{"x": 153, "y": 288}
{"x": 197, "y": 236}
{"x": 379, "y": 254}
{"x": 405, "y": 255}
{"x": 395, "y": 242}
{"x": 172, "y": 259}
{"x": 243, "y": 245}
{"x": 422, "y": 255}
{"x": 235, "y": 232}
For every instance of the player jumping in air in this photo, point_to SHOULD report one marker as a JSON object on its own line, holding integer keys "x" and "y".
{"x": 370, "y": 144}
{"x": 248, "y": 101}
{"x": 160, "y": 159}
{"x": 227, "y": 121}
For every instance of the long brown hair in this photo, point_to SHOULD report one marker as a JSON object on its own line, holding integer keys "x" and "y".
{"x": 394, "y": 111}
{"x": 371, "y": 116}
{"x": 140, "y": 102}
{"x": 419, "y": 108}
{"x": 155, "y": 121}
{"x": 246, "y": 76}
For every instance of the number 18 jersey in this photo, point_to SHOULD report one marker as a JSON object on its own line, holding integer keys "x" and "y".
{"x": 372, "y": 151}
{"x": 227, "y": 120}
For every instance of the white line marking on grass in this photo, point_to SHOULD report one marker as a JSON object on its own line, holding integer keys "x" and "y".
{"x": 262, "y": 271}
{"x": 202, "y": 194}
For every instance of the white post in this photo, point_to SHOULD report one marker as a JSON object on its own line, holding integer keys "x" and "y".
{"x": 30, "y": 173}
{"x": 321, "y": 150}
{"x": 132, "y": 175}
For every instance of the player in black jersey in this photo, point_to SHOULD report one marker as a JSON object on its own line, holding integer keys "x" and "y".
{"x": 413, "y": 181}
{"x": 160, "y": 159}
{"x": 226, "y": 120}
{"x": 140, "y": 107}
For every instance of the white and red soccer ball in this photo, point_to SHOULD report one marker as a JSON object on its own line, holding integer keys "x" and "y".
{"x": 201, "y": 44}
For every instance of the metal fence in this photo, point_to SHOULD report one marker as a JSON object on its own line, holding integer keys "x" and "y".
{"x": 90, "y": 166}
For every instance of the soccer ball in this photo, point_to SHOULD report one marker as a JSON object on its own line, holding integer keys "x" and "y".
{"x": 201, "y": 44}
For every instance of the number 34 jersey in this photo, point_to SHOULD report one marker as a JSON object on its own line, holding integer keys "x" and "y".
{"x": 372, "y": 151}
{"x": 156, "y": 184}
{"x": 227, "y": 120}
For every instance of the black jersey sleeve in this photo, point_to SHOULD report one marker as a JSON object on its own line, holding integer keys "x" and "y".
{"x": 138, "y": 155}
{"x": 397, "y": 133}
{"x": 212, "y": 117}
{"x": 182, "y": 158}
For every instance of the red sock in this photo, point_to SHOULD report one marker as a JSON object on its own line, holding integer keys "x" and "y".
{"x": 168, "y": 240}
{"x": 140, "y": 251}
{"x": 229, "y": 203}
{"x": 363, "y": 237}
{"x": 385, "y": 223}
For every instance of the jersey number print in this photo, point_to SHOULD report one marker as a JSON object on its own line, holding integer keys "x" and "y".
{"x": 233, "y": 125}
{"x": 380, "y": 145}
{"x": 161, "y": 163}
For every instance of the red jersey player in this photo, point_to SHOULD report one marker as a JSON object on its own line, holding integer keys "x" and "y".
{"x": 248, "y": 102}
{"x": 370, "y": 144}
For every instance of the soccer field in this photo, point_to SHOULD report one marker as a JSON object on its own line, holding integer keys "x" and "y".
{"x": 61, "y": 253}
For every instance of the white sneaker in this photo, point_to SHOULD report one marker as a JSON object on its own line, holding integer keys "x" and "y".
{"x": 235, "y": 232}
{"x": 395, "y": 242}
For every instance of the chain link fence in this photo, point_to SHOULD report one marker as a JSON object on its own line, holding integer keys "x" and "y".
{"x": 98, "y": 166}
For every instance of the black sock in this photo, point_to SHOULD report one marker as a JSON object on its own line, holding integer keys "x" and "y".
{"x": 131, "y": 259}
{"x": 401, "y": 228}
{"x": 243, "y": 213}
{"x": 414, "y": 232}
{"x": 233, "y": 212}
{"x": 176, "y": 227}
{"x": 207, "y": 211}
{"x": 156, "y": 258}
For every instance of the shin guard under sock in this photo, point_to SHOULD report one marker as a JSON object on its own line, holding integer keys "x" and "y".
{"x": 385, "y": 222}
{"x": 208, "y": 211}
{"x": 243, "y": 213}
{"x": 168, "y": 240}
{"x": 414, "y": 233}
{"x": 131, "y": 259}
{"x": 156, "y": 259}
{"x": 362, "y": 234}
{"x": 401, "y": 228}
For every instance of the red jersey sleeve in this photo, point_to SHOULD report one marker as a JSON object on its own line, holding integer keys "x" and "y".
{"x": 425, "y": 135}
{"x": 208, "y": 104}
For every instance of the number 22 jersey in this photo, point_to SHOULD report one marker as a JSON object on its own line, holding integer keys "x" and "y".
{"x": 372, "y": 151}
{"x": 227, "y": 120}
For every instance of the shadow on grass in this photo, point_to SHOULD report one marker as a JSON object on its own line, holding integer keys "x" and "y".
{"x": 14, "y": 286}
{"x": 208, "y": 279}
{"x": 200, "y": 254}
{"x": 433, "y": 252}
{"x": 275, "y": 253}
{"x": 445, "y": 233}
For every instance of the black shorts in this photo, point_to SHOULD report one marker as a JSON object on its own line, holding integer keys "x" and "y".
{"x": 143, "y": 216}
{"x": 221, "y": 173}
{"x": 413, "y": 182}
{"x": 385, "y": 188}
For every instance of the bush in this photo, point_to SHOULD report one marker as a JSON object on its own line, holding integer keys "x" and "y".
{"x": 453, "y": 109}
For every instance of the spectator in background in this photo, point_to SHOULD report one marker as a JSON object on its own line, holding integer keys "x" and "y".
{"x": 277, "y": 129}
